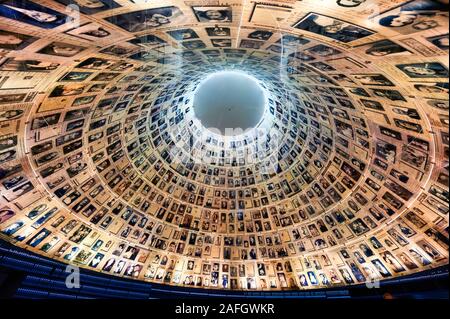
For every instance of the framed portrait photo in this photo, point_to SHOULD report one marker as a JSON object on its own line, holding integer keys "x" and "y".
{"x": 415, "y": 16}
{"x": 138, "y": 21}
{"x": 424, "y": 70}
{"x": 218, "y": 31}
{"x": 214, "y": 14}
{"x": 13, "y": 41}
{"x": 183, "y": 34}
{"x": 11, "y": 64}
{"x": 61, "y": 49}
{"x": 91, "y": 6}
{"x": 332, "y": 28}
{"x": 32, "y": 13}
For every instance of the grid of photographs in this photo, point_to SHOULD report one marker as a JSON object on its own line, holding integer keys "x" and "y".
{"x": 104, "y": 165}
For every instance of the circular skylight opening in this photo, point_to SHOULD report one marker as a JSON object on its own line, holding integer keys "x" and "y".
{"x": 230, "y": 103}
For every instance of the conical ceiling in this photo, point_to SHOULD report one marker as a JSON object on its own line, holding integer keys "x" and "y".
{"x": 344, "y": 180}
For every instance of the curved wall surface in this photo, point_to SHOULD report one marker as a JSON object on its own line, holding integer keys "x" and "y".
{"x": 344, "y": 181}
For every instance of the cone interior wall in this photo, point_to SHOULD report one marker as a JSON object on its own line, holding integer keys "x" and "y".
{"x": 109, "y": 160}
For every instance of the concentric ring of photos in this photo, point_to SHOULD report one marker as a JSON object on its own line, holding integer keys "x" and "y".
{"x": 344, "y": 181}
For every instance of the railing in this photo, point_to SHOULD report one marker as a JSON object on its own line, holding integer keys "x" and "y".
{"x": 45, "y": 278}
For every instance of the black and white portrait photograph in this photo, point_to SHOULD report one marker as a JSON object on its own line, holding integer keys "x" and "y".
{"x": 332, "y": 28}
{"x": 219, "y": 14}
{"x": 146, "y": 19}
